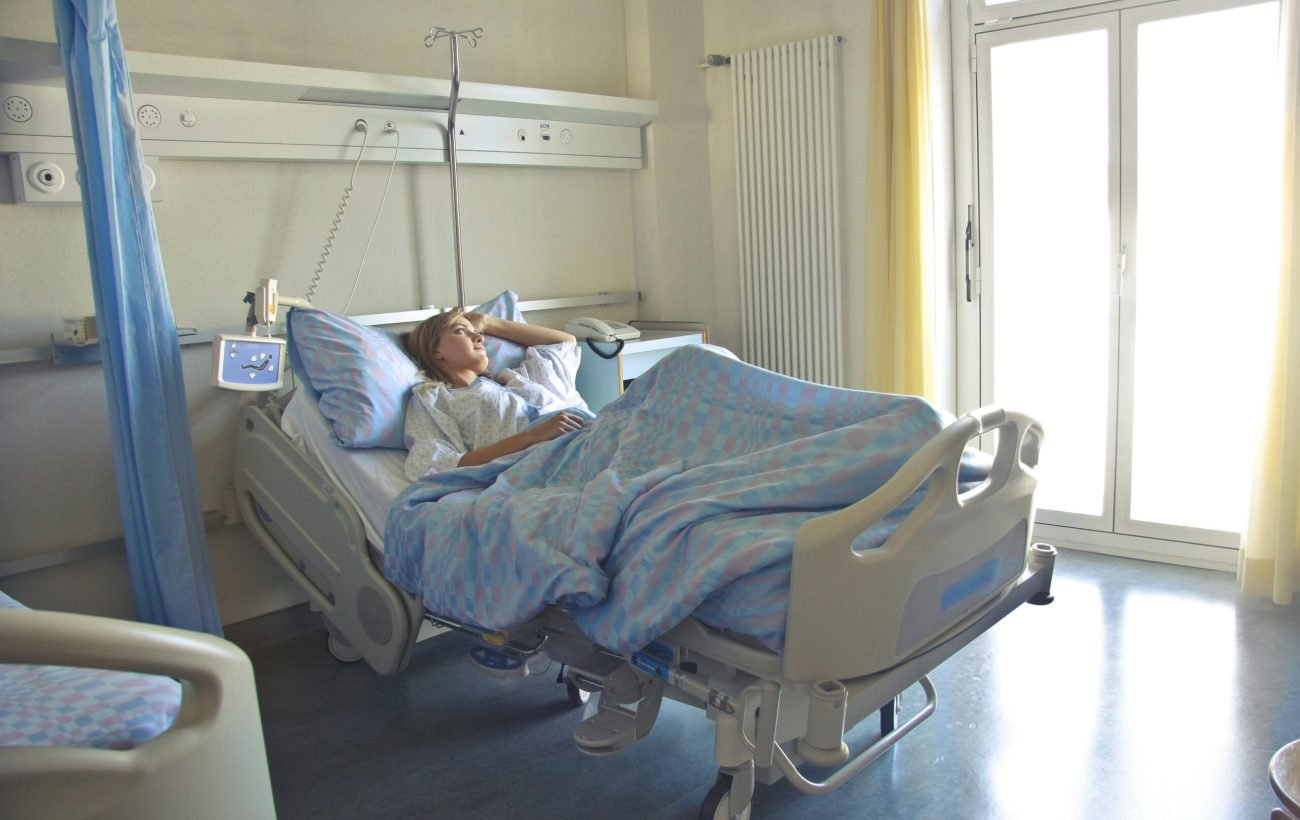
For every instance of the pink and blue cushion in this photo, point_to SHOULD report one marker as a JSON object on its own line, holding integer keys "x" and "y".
{"x": 71, "y": 706}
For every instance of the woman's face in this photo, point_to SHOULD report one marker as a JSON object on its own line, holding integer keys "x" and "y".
{"x": 460, "y": 347}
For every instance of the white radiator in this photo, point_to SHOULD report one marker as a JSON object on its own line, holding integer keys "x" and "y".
{"x": 787, "y": 188}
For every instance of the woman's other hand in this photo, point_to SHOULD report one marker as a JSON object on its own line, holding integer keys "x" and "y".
{"x": 556, "y": 426}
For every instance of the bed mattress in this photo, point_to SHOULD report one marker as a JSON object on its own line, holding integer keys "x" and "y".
{"x": 370, "y": 478}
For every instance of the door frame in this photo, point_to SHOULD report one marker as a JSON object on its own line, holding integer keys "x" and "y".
{"x": 971, "y": 19}
{"x": 1125, "y": 524}
{"x": 985, "y": 42}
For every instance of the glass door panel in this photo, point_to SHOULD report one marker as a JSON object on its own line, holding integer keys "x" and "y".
{"x": 1128, "y": 236}
{"x": 1202, "y": 241}
{"x": 1048, "y": 182}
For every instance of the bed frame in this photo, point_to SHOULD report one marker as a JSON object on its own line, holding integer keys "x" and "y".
{"x": 862, "y": 627}
{"x": 313, "y": 530}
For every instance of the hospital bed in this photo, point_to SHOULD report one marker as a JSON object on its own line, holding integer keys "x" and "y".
{"x": 108, "y": 718}
{"x": 862, "y": 626}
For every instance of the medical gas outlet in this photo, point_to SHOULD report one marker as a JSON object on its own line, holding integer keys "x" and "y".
{"x": 55, "y": 178}
{"x": 18, "y": 109}
{"x": 546, "y": 134}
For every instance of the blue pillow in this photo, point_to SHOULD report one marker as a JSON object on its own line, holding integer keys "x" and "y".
{"x": 362, "y": 377}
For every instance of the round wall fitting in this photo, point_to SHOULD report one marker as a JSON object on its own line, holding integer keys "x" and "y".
{"x": 149, "y": 116}
{"x": 18, "y": 108}
{"x": 46, "y": 177}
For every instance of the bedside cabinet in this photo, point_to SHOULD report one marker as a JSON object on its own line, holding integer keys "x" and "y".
{"x": 601, "y": 380}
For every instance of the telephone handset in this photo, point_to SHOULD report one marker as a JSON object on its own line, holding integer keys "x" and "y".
{"x": 600, "y": 330}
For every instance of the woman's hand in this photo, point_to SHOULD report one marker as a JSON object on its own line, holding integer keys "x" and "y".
{"x": 480, "y": 321}
{"x": 556, "y": 426}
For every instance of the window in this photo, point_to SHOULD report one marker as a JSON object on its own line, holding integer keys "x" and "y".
{"x": 1127, "y": 231}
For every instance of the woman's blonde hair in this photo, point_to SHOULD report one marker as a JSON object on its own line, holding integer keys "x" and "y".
{"x": 421, "y": 344}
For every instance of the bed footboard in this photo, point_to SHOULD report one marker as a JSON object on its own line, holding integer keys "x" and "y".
{"x": 314, "y": 532}
{"x": 955, "y": 553}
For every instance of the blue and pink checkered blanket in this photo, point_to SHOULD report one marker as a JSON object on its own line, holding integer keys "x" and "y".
{"x": 682, "y": 497}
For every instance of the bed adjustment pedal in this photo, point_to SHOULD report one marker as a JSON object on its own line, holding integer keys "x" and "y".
{"x": 502, "y": 665}
{"x": 613, "y": 728}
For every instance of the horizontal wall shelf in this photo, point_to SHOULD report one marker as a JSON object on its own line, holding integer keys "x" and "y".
{"x": 65, "y": 353}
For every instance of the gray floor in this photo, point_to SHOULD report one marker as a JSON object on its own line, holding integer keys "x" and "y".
{"x": 1145, "y": 690}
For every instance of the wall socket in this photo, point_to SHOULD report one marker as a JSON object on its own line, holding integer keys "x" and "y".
{"x": 55, "y": 178}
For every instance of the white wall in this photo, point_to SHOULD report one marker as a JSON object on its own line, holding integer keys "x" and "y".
{"x": 222, "y": 225}
{"x": 674, "y": 236}
{"x": 732, "y": 26}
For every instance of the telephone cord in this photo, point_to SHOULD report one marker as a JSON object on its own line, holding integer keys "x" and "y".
{"x": 338, "y": 215}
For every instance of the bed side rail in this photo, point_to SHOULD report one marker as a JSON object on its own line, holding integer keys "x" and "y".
{"x": 854, "y": 613}
{"x": 314, "y": 532}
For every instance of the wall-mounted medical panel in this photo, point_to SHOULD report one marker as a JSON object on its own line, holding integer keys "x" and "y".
{"x": 210, "y": 128}
{"x": 201, "y": 108}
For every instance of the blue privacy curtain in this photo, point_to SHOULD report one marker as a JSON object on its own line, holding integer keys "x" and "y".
{"x": 152, "y": 451}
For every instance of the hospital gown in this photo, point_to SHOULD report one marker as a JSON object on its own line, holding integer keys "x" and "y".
{"x": 444, "y": 423}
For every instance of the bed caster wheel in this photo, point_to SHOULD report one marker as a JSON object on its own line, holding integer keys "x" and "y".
{"x": 342, "y": 651}
{"x": 577, "y": 695}
{"x": 717, "y": 802}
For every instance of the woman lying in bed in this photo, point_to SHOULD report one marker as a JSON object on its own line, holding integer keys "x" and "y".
{"x": 462, "y": 418}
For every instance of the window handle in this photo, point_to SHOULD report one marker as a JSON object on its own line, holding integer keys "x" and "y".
{"x": 970, "y": 242}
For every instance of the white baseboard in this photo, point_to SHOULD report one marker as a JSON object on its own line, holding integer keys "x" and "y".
{"x": 1223, "y": 559}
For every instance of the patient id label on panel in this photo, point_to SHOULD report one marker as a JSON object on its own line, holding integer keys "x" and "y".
{"x": 247, "y": 362}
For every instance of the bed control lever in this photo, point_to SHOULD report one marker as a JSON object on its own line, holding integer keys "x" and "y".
{"x": 693, "y": 685}
{"x": 507, "y": 665}
{"x": 765, "y": 723}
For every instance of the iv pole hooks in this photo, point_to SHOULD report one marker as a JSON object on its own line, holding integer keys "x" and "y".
{"x": 470, "y": 36}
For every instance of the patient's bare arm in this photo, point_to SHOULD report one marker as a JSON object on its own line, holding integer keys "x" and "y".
{"x": 554, "y": 427}
{"x": 518, "y": 332}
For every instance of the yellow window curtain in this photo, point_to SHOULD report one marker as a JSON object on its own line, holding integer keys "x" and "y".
{"x": 1269, "y": 562}
{"x": 898, "y": 323}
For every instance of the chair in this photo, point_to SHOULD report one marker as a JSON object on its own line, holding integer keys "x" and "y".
{"x": 1284, "y": 775}
{"x": 211, "y": 762}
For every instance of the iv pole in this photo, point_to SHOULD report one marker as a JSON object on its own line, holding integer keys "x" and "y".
{"x": 470, "y": 36}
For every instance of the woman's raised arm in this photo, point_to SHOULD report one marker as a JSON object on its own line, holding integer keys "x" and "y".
{"x": 518, "y": 332}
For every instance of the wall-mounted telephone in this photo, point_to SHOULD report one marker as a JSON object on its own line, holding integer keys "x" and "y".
{"x": 600, "y": 330}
